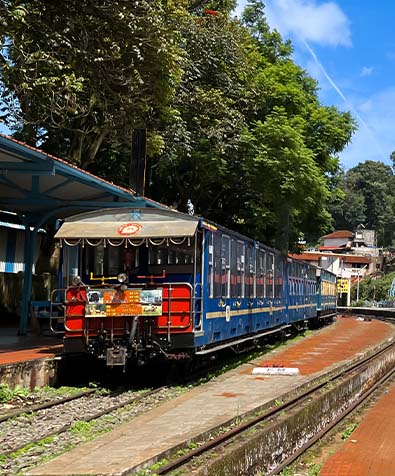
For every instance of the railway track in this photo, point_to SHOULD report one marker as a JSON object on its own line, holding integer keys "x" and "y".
{"x": 42, "y": 406}
{"x": 226, "y": 437}
{"x": 54, "y": 418}
{"x": 239, "y": 432}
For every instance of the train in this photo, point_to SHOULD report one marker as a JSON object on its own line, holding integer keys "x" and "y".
{"x": 144, "y": 284}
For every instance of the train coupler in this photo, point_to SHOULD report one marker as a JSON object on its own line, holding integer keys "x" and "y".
{"x": 116, "y": 356}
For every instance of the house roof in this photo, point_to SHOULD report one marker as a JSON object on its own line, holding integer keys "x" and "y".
{"x": 306, "y": 256}
{"x": 356, "y": 259}
{"x": 334, "y": 248}
{"x": 339, "y": 234}
{"x": 311, "y": 256}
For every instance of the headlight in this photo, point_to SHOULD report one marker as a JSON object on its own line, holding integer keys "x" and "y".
{"x": 122, "y": 277}
{"x": 76, "y": 280}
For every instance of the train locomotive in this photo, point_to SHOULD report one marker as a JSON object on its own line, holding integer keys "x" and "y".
{"x": 141, "y": 284}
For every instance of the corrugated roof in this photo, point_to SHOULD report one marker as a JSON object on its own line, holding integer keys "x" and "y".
{"x": 339, "y": 234}
{"x": 40, "y": 185}
{"x": 356, "y": 259}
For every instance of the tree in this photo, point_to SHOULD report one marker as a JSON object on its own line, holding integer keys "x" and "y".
{"x": 293, "y": 140}
{"x": 233, "y": 123}
{"x": 368, "y": 199}
{"x": 78, "y": 73}
{"x": 209, "y": 113}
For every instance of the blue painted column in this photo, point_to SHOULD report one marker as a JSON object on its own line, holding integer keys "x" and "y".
{"x": 29, "y": 247}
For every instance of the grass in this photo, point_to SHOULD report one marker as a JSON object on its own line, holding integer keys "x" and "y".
{"x": 8, "y": 394}
{"x": 20, "y": 394}
{"x": 347, "y": 432}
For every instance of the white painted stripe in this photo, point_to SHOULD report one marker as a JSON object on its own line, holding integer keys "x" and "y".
{"x": 244, "y": 312}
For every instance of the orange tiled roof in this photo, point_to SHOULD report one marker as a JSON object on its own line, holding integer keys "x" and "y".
{"x": 339, "y": 234}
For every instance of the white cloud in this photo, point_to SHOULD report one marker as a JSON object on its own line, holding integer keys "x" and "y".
{"x": 366, "y": 71}
{"x": 366, "y": 106}
{"x": 323, "y": 23}
{"x": 309, "y": 20}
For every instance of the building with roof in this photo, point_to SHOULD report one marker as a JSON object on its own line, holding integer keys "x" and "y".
{"x": 348, "y": 266}
{"x": 337, "y": 242}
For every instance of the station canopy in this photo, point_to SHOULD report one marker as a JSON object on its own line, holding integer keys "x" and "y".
{"x": 39, "y": 187}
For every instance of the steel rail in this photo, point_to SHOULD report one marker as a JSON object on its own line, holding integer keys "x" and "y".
{"x": 85, "y": 419}
{"x": 43, "y": 406}
{"x": 331, "y": 425}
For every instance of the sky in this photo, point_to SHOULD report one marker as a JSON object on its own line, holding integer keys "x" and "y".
{"x": 348, "y": 46}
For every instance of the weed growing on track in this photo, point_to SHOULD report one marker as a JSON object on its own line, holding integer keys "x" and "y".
{"x": 8, "y": 394}
{"x": 347, "y": 432}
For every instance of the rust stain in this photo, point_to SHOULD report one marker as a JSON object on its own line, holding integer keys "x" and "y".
{"x": 228, "y": 394}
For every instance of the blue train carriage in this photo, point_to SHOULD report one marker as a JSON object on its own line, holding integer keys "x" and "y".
{"x": 327, "y": 294}
{"x": 245, "y": 290}
{"x": 139, "y": 284}
{"x": 302, "y": 291}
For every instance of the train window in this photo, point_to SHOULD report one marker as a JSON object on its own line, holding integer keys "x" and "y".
{"x": 278, "y": 278}
{"x": 225, "y": 267}
{"x": 98, "y": 260}
{"x": 172, "y": 254}
{"x": 129, "y": 259}
{"x": 240, "y": 269}
{"x": 260, "y": 273}
{"x": 109, "y": 261}
{"x": 269, "y": 281}
{"x": 113, "y": 260}
{"x": 233, "y": 269}
{"x": 250, "y": 272}
{"x": 217, "y": 265}
{"x": 211, "y": 263}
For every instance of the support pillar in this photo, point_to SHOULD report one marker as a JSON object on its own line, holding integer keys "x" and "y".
{"x": 29, "y": 247}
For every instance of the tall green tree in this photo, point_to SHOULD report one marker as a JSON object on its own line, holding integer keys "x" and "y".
{"x": 79, "y": 73}
{"x": 202, "y": 138}
{"x": 293, "y": 141}
{"x": 368, "y": 199}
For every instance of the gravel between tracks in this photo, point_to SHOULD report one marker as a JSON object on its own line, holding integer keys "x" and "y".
{"x": 25, "y": 428}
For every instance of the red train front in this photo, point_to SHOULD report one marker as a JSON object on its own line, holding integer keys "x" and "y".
{"x": 124, "y": 300}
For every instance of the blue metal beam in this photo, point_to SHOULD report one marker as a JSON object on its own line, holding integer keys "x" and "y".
{"x": 45, "y": 203}
{"x": 12, "y": 184}
{"x": 27, "y": 168}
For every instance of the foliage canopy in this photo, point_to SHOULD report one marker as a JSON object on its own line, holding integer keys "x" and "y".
{"x": 233, "y": 123}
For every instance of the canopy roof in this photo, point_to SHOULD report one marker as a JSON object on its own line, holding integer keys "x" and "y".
{"x": 37, "y": 185}
{"x": 41, "y": 188}
{"x": 128, "y": 223}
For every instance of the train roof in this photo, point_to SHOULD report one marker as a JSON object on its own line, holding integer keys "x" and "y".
{"x": 115, "y": 223}
{"x": 140, "y": 223}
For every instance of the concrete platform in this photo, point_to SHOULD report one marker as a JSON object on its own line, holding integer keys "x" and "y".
{"x": 229, "y": 396}
{"x": 27, "y": 361}
{"x": 369, "y": 451}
